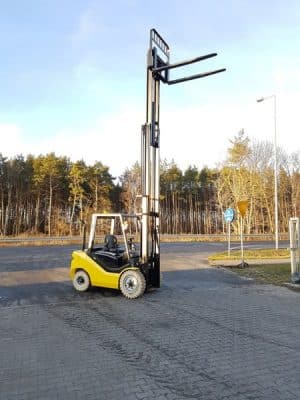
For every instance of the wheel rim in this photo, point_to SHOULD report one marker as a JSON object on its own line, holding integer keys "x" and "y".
{"x": 130, "y": 283}
{"x": 80, "y": 280}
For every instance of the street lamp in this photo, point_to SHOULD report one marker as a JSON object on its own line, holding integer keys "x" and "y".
{"x": 275, "y": 168}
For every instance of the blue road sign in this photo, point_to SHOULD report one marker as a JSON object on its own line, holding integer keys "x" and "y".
{"x": 229, "y": 215}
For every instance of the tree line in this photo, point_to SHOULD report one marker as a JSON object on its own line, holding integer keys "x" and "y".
{"x": 51, "y": 195}
{"x": 48, "y": 194}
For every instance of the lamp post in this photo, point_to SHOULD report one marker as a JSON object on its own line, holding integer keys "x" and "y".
{"x": 275, "y": 168}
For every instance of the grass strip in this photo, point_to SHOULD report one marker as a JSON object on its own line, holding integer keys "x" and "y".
{"x": 276, "y": 274}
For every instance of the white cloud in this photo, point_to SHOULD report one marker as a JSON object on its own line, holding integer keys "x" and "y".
{"x": 287, "y": 77}
{"x": 114, "y": 140}
{"x": 194, "y": 135}
{"x": 89, "y": 24}
{"x": 200, "y": 135}
{"x": 287, "y": 120}
{"x": 86, "y": 28}
{"x": 12, "y": 140}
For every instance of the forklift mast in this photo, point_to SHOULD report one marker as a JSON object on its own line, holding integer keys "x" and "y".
{"x": 158, "y": 68}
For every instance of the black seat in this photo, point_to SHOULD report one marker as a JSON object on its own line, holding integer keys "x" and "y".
{"x": 110, "y": 243}
{"x": 111, "y": 256}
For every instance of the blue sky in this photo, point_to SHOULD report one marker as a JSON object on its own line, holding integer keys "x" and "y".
{"x": 72, "y": 77}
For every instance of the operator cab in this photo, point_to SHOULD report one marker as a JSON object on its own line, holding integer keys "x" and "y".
{"x": 117, "y": 251}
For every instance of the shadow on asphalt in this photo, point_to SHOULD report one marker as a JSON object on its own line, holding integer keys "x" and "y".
{"x": 57, "y": 292}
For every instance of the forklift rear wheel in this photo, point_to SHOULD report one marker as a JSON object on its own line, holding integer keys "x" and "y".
{"x": 132, "y": 284}
{"x": 81, "y": 281}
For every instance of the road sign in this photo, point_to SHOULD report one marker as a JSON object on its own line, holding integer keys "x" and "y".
{"x": 229, "y": 215}
{"x": 243, "y": 207}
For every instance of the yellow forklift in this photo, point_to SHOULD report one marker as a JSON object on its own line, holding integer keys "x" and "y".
{"x": 125, "y": 266}
{"x": 113, "y": 264}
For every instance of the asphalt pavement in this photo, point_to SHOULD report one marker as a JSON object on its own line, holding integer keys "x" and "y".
{"x": 205, "y": 334}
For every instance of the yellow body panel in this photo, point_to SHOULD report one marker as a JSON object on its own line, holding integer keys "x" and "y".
{"x": 98, "y": 275}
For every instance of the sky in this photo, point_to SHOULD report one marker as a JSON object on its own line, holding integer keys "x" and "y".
{"x": 73, "y": 77}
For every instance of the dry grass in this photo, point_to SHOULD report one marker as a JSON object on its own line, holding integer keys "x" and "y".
{"x": 276, "y": 274}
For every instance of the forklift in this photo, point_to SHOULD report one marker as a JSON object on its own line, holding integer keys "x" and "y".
{"x": 125, "y": 266}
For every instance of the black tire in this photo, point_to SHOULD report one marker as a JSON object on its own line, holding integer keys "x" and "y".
{"x": 81, "y": 281}
{"x": 132, "y": 284}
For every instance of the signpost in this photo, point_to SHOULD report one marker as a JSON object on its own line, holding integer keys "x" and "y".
{"x": 228, "y": 216}
{"x": 242, "y": 207}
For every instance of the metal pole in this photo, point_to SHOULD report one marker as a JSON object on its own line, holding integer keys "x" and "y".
{"x": 275, "y": 178}
{"x": 228, "y": 230}
{"x": 242, "y": 243}
{"x": 275, "y": 168}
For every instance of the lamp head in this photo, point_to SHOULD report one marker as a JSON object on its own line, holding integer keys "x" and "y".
{"x": 260, "y": 100}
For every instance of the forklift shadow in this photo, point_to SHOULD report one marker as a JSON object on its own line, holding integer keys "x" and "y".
{"x": 61, "y": 290}
{"x": 204, "y": 277}
{"x": 50, "y": 293}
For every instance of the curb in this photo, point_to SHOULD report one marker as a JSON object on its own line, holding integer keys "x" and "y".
{"x": 292, "y": 286}
{"x": 260, "y": 261}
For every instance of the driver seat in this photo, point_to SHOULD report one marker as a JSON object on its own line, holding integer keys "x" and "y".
{"x": 110, "y": 243}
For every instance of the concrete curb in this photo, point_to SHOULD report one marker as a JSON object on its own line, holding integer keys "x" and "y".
{"x": 235, "y": 263}
{"x": 292, "y": 286}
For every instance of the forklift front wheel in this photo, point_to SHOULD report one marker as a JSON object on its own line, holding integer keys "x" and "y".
{"x": 81, "y": 281}
{"x": 132, "y": 284}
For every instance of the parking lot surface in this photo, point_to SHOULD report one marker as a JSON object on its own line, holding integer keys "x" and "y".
{"x": 206, "y": 334}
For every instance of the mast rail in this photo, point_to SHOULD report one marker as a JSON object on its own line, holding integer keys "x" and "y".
{"x": 160, "y": 42}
